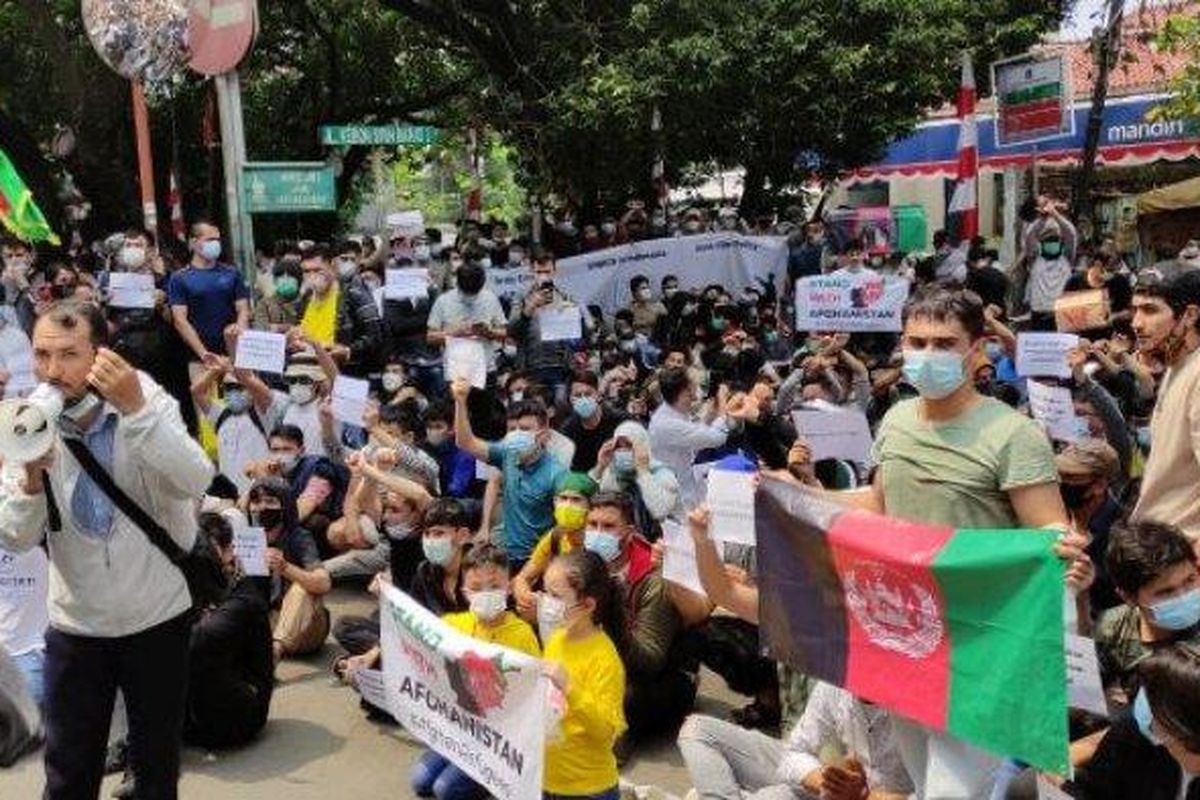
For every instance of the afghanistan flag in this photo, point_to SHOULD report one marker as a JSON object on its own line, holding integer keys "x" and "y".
{"x": 959, "y": 631}
{"x": 18, "y": 211}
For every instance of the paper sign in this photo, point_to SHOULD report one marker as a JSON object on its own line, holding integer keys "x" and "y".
{"x": 679, "y": 560}
{"x": 466, "y": 358}
{"x": 731, "y": 500}
{"x": 261, "y": 351}
{"x": 407, "y": 222}
{"x": 866, "y": 301}
{"x": 408, "y": 283}
{"x": 1044, "y": 354}
{"x": 1048, "y": 791}
{"x": 1052, "y": 406}
{"x": 1084, "y": 688}
{"x": 369, "y": 683}
{"x": 349, "y": 400}
{"x": 130, "y": 290}
{"x": 484, "y": 471}
{"x": 560, "y": 324}
{"x": 1081, "y": 311}
{"x": 842, "y": 433}
{"x": 250, "y": 547}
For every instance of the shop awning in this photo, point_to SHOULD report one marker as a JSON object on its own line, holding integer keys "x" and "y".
{"x": 1127, "y": 138}
{"x": 1173, "y": 197}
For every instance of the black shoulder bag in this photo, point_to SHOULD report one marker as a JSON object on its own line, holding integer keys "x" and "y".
{"x": 200, "y": 569}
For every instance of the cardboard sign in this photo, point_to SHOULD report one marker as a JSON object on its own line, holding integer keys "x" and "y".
{"x": 1081, "y": 311}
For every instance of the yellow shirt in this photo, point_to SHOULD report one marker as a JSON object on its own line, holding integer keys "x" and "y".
{"x": 541, "y": 555}
{"x": 320, "y": 317}
{"x": 511, "y": 631}
{"x": 581, "y": 761}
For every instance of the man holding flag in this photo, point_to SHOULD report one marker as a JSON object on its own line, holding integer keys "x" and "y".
{"x": 955, "y": 458}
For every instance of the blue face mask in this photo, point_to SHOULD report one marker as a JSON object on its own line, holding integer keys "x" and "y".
{"x": 237, "y": 401}
{"x": 1177, "y": 613}
{"x": 523, "y": 443}
{"x": 210, "y": 250}
{"x": 584, "y": 406}
{"x": 1143, "y": 717}
{"x": 934, "y": 373}
{"x": 438, "y": 550}
{"x": 994, "y": 350}
{"x": 623, "y": 462}
{"x": 605, "y": 545}
{"x": 1143, "y": 437}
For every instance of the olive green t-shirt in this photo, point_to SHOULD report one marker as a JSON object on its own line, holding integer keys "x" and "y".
{"x": 959, "y": 472}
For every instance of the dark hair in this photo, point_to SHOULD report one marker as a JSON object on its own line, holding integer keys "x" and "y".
{"x": 441, "y": 411}
{"x": 485, "y": 555}
{"x": 449, "y": 512}
{"x": 281, "y": 490}
{"x": 638, "y": 280}
{"x": 194, "y": 230}
{"x": 471, "y": 277}
{"x": 586, "y": 377}
{"x": 318, "y": 250}
{"x": 216, "y": 528}
{"x": 672, "y": 383}
{"x": 1171, "y": 678}
{"x": 541, "y": 255}
{"x": 1141, "y": 551}
{"x": 617, "y": 500}
{"x": 142, "y": 233}
{"x": 398, "y": 414}
{"x": 528, "y": 407}
{"x": 663, "y": 282}
{"x": 941, "y": 304}
{"x": 1182, "y": 291}
{"x": 587, "y": 575}
{"x": 291, "y": 433}
{"x": 222, "y": 487}
{"x": 67, "y": 314}
{"x": 348, "y": 246}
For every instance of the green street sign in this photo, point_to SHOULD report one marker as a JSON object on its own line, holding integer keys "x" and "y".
{"x": 378, "y": 135}
{"x": 289, "y": 187}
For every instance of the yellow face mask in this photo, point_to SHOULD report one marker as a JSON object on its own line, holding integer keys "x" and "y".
{"x": 569, "y": 517}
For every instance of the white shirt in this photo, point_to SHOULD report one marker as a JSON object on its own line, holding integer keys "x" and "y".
{"x": 306, "y": 417}
{"x": 675, "y": 439}
{"x": 16, "y": 357}
{"x": 122, "y": 584}
{"x": 23, "y": 614}
{"x": 239, "y": 443}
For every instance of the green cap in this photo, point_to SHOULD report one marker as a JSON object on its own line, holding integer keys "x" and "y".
{"x": 579, "y": 482}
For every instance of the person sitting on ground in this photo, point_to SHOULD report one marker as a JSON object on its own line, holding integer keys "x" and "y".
{"x": 456, "y": 467}
{"x": 362, "y": 549}
{"x": 238, "y": 418}
{"x": 591, "y": 422}
{"x": 626, "y": 465}
{"x": 230, "y": 670}
{"x": 299, "y": 581}
{"x": 485, "y": 585}
{"x": 727, "y": 762}
{"x": 571, "y": 504}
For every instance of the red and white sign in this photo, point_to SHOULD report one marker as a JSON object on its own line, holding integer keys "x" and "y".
{"x": 220, "y": 33}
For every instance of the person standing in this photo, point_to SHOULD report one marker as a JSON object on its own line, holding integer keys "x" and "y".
{"x": 549, "y": 362}
{"x": 207, "y": 296}
{"x": 1050, "y": 247}
{"x": 119, "y": 608}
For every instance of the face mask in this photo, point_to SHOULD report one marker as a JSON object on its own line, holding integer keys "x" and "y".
{"x": 317, "y": 284}
{"x": 485, "y": 262}
{"x": 237, "y": 400}
{"x": 392, "y": 381}
{"x": 269, "y": 518}
{"x": 629, "y": 345}
{"x": 132, "y": 257}
{"x": 489, "y": 604}
{"x": 1177, "y": 613}
{"x": 691, "y": 226}
{"x": 516, "y": 397}
{"x": 584, "y": 406}
{"x": 1143, "y": 437}
{"x": 643, "y": 295}
{"x": 346, "y": 267}
{"x": 210, "y": 250}
{"x": 569, "y": 516}
{"x": 371, "y": 281}
{"x": 523, "y": 443}
{"x": 608, "y": 229}
{"x": 287, "y": 462}
{"x": 436, "y": 438}
{"x": 397, "y": 531}
{"x": 421, "y": 252}
{"x": 623, "y": 462}
{"x": 670, "y": 292}
{"x": 1143, "y": 717}
{"x": 438, "y": 550}
{"x": 605, "y": 545}
{"x": 455, "y": 263}
{"x": 551, "y": 614}
{"x": 510, "y": 350}
{"x": 718, "y": 324}
{"x": 287, "y": 287}
{"x": 1051, "y": 249}
{"x": 934, "y": 373}
{"x": 770, "y": 337}
{"x": 301, "y": 393}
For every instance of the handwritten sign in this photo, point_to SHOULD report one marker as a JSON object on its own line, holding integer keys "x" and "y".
{"x": 1081, "y": 311}
{"x": 407, "y": 283}
{"x": 130, "y": 290}
{"x": 560, "y": 324}
{"x": 262, "y": 351}
{"x": 349, "y": 399}
{"x": 1044, "y": 354}
{"x": 466, "y": 358}
{"x": 250, "y": 547}
{"x": 679, "y": 560}
{"x": 847, "y": 301}
{"x": 1052, "y": 406}
{"x": 1084, "y": 688}
{"x": 834, "y": 433}
{"x": 731, "y": 499}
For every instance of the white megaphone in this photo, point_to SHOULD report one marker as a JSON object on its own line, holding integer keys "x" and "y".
{"x": 28, "y": 424}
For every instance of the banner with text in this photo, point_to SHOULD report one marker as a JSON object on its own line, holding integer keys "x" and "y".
{"x": 479, "y": 705}
{"x": 844, "y": 301}
{"x": 728, "y": 259}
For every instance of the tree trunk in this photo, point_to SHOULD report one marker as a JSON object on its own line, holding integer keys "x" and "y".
{"x": 1107, "y": 51}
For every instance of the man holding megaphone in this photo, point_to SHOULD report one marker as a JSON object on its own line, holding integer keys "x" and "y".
{"x": 113, "y": 494}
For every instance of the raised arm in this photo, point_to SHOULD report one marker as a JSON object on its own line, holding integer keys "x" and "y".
{"x": 463, "y": 435}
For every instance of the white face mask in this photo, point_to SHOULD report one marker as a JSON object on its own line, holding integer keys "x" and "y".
{"x": 489, "y": 604}
{"x": 551, "y": 614}
{"x": 346, "y": 267}
{"x": 302, "y": 393}
{"x": 422, "y": 253}
{"x": 133, "y": 258}
{"x": 392, "y": 381}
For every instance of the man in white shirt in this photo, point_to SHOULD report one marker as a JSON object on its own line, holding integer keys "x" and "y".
{"x": 676, "y": 438}
{"x": 118, "y": 606}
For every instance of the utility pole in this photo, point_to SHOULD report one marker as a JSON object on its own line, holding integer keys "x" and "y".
{"x": 1107, "y": 44}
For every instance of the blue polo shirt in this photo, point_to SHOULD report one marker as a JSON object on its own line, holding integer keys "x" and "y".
{"x": 528, "y": 498}
{"x": 210, "y": 295}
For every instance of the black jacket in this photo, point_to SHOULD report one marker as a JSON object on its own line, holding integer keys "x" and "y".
{"x": 359, "y": 327}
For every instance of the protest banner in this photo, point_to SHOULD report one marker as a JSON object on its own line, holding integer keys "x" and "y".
{"x": 843, "y": 301}
{"x": 1044, "y": 354}
{"x": 480, "y": 705}
{"x": 1081, "y": 311}
{"x": 960, "y": 631}
{"x": 728, "y": 259}
{"x": 509, "y": 284}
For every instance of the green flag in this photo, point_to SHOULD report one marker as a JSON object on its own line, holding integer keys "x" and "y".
{"x": 18, "y": 211}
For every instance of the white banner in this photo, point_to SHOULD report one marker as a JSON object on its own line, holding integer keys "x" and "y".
{"x": 479, "y": 705}
{"x": 866, "y": 301}
{"x": 728, "y": 259}
{"x": 509, "y": 283}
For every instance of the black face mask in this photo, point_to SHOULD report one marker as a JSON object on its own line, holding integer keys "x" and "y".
{"x": 269, "y": 518}
{"x": 1074, "y": 495}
